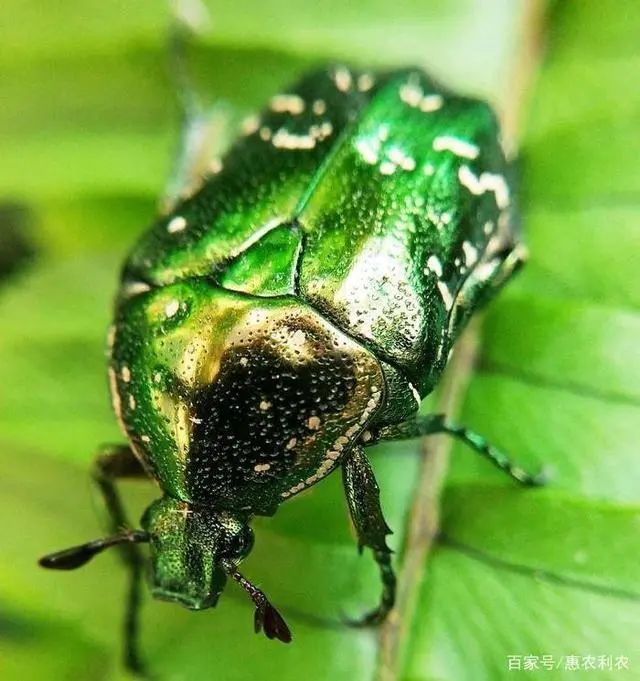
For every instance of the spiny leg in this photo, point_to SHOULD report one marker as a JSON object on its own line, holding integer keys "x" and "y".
{"x": 201, "y": 125}
{"x": 111, "y": 464}
{"x": 363, "y": 498}
{"x": 437, "y": 423}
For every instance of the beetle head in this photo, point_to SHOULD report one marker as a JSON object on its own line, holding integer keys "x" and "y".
{"x": 193, "y": 550}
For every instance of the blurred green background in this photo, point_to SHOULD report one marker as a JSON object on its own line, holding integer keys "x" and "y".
{"x": 88, "y": 126}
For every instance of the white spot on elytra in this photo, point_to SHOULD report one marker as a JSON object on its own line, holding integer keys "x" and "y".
{"x": 292, "y": 443}
{"x": 434, "y": 264}
{"x": 319, "y": 107}
{"x": 132, "y": 402}
{"x": 136, "y": 287}
{"x": 447, "y": 298}
{"x": 365, "y": 82}
{"x": 456, "y": 146}
{"x": 261, "y": 467}
{"x": 342, "y": 79}
{"x": 313, "y": 423}
{"x": 125, "y": 373}
{"x": 287, "y": 140}
{"x": 368, "y": 150}
{"x": 387, "y": 168}
{"x": 408, "y": 164}
{"x": 321, "y": 132}
{"x": 265, "y": 405}
{"x": 487, "y": 182}
{"x": 145, "y": 438}
{"x": 401, "y": 159}
{"x": 171, "y": 308}
{"x": 431, "y": 103}
{"x": 176, "y": 224}
{"x": 411, "y": 93}
{"x": 470, "y": 253}
{"x": 292, "y": 104}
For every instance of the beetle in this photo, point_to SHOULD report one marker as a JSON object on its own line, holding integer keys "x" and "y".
{"x": 293, "y": 311}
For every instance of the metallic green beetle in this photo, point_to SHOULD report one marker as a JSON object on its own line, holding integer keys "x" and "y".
{"x": 295, "y": 309}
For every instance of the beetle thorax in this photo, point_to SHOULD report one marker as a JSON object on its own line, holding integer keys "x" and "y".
{"x": 238, "y": 402}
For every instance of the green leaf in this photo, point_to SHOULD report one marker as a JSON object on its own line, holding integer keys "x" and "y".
{"x": 475, "y": 615}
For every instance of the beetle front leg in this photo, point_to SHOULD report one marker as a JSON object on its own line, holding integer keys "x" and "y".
{"x": 111, "y": 464}
{"x": 363, "y": 498}
{"x": 437, "y": 423}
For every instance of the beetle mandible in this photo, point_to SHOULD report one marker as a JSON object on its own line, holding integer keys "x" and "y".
{"x": 293, "y": 311}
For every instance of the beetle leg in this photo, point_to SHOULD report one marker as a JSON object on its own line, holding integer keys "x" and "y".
{"x": 437, "y": 423}
{"x": 201, "y": 125}
{"x": 363, "y": 498}
{"x": 111, "y": 464}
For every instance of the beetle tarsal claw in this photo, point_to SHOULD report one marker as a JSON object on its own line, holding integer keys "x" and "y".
{"x": 266, "y": 617}
{"x": 269, "y": 619}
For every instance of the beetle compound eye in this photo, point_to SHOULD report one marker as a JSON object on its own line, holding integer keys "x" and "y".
{"x": 240, "y": 544}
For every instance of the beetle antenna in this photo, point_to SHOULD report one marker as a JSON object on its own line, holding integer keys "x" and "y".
{"x": 266, "y": 616}
{"x": 76, "y": 556}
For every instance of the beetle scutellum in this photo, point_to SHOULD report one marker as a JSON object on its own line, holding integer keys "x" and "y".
{"x": 295, "y": 309}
